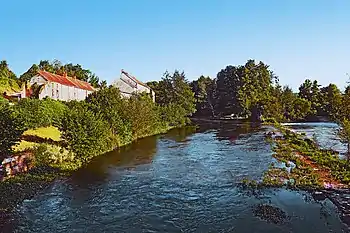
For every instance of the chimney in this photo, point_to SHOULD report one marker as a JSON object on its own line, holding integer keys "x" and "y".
{"x": 65, "y": 74}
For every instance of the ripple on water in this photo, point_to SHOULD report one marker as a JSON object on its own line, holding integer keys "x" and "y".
{"x": 179, "y": 182}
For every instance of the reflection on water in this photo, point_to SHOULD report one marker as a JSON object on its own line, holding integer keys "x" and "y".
{"x": 183, "y": 181}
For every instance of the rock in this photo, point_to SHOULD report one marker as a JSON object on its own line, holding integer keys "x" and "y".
{"x": 270, "y": 213}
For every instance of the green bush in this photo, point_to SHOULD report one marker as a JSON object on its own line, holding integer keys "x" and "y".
{"x": 87, "y": 134}
{"x": 143, "y": 116}
{"x": 41, "y": 156}
{"x": 173, "y": 115}
{"x": 109, "y": 103}
{"x": 36, "y": 113}
{"x": 11, "y": 129}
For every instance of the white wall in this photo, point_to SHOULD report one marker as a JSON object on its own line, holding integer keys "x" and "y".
{"x": 57, "y": 91}
{"x": 126, "y": 89}
{"x": 37, "y": 79}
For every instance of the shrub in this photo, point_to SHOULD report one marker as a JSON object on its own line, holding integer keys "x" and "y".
{"x": 142, "y": 115}
{"x": 173, "y": 115}
{"x": 40, "y": 113}
{"x": 41, "y": 156}
{"x": 11, "y": 129}
{"x": 344, "y": 133}
{"x": 109, "y": 103}
{"x": 87, "y": 134}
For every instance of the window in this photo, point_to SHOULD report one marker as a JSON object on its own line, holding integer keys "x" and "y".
{"x": 57, "y": 92}
{"x": 53, "y": 90}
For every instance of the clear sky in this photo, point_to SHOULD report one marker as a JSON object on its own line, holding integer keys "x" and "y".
{"x": 297, "y": 38}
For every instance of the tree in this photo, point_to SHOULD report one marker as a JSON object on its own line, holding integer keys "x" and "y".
{"x": 273, "y": 106}
{"x": 330, "y": 100}
{"x": 5, "y": 71}
{"x": 34, "y": 113}
{"x": 301, "y": 109}
{"x": 287, "y": 99}
{"x": 310, "y": 91}
{"x": 228, "y": 83}
{"x": 31, "y": 72}
{"x": 57, "y": 67}
{"x": 174, "y": 89}
{"x": 36, "y": 90}
{"x": 11, "y": 130}
{"x": 241, "y": 89}
{"x": 87, "y": 134}
{"x": 203, "y": 93}
{"x": 256, "y": 85}
{"x": 142, "y": 114}
{"x": 109, "y": 103}
{"x": 344, "y": 132}
{"x": 344, "y": 112}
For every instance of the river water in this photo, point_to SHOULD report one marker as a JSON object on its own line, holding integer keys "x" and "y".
{"x": 184, "y": 181}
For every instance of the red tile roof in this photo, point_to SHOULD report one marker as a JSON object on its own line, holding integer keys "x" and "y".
{"x": 65, "y": 80}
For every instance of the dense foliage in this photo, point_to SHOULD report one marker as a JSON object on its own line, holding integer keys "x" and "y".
{"x": 8, "y": 80}
{"x": 57, "y": 67}
{"x": 175, "y": 98}
{"x": 241, "y": 90}
{"x": 34, "y": 113}
{"x": 87, "y": 134}
{"x": 11, "y": 130}
{"x": 238, "y": 90}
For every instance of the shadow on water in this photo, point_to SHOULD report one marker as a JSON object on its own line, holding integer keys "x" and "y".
{"x": 127, "y": 157}
{"x": 184, "y": 181}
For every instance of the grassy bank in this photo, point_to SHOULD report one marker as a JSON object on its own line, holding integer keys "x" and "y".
{"x": 302, "y": 164}
{"x": 24, "y": 186}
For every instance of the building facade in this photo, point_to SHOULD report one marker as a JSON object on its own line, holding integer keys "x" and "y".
{"x": 128, "y": 84}
{"x": 60, "y": 87}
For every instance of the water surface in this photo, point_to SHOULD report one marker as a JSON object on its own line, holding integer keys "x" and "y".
{"x": 183, "y": 181}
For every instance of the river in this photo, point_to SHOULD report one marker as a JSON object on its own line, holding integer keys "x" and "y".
{"x": 184, "y": 181}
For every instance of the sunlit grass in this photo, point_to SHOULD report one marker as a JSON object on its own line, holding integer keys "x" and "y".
{"x": 45, "y": 132}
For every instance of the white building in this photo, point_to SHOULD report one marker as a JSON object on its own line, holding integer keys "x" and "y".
{"x": 60, "y": 87}
{"x": 128, "y": 84}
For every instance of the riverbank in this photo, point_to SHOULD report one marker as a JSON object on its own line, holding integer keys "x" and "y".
{"x": 302, "y": 164}
{"x": 14, "y": 190}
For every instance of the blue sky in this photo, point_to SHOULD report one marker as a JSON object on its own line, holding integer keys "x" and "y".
{"x": 298, "y": 38}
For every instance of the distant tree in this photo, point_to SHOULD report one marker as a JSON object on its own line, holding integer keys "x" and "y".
{"x": 344, "y": 133}
{"x": 287, "y": 99}
{"x": 203, "y": 93}
{"x": 228, "y": 83}
{"x": 31, "y": 72}
{"x": 310, "y": 91}
{"x": 344, "y": 112}
{"x": 273, "y": 106}
{"x": 301, "y": 109}
{"x": 330, "y": 100}
{"x": 256, "y": 85}
{"x": 57, "y": 67}
{"x": 175, "y": 89}
{"x": 5, "y": 70}
{"x": 241, "y": 89}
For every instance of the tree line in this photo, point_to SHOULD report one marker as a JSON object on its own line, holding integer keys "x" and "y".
{"x": 12, "y": 82}
{"x": 239, "y": 89}
{"x": 105, "y": 120}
